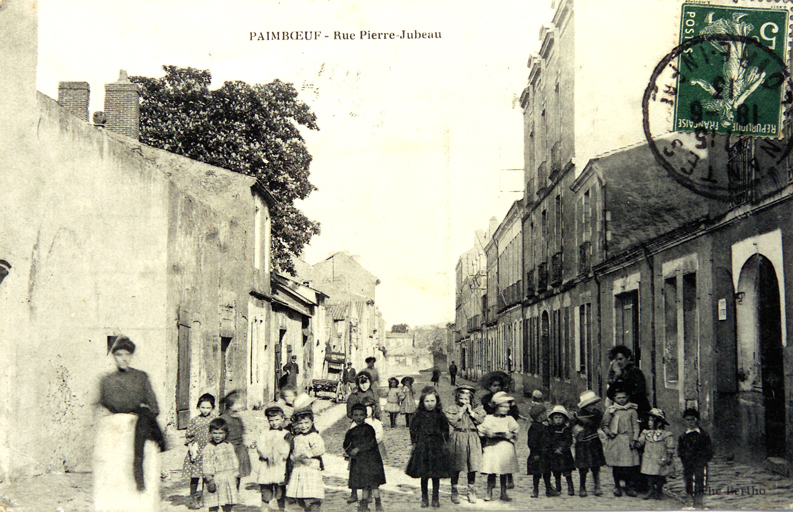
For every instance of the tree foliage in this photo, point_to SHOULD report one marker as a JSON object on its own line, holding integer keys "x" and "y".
{"x": 401, "y": 328}
{"x": 247, "y": 128}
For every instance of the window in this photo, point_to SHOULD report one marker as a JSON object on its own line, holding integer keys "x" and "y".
{"x": 670, "y": 335}
{"x": 585, "y": 341}
{"x": 586, "y": 217}
{"x": 690, "y": 337}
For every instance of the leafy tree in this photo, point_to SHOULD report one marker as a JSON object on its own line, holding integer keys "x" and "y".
{"x": 400, "y": 328}
{"x": 247, "y": 128}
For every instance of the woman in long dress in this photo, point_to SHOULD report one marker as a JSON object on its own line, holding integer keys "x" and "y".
{"x": 126, "y": 466}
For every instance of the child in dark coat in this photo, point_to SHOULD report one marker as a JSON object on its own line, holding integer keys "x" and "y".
{"x": 695, "y": 451}
{"x": 366, "y": 465}
{"x": 538, "y": 463}
{"x": 430, "y": 458}
{"x": 588, "y": 448}
{"x": 560, "y": 448}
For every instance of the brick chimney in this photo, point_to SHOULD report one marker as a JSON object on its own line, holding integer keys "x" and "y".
{"x": 122, "y": 106}
{"x": 73, "y": 96}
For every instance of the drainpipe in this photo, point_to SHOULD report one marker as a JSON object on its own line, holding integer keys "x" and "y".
{"x": 649, "y": 261}
{"x": 601, "y": 391}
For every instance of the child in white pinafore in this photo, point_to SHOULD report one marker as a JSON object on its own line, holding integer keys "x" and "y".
{"x": 392, "y": 401}
{"x": 221, "y": 468}
{"x": 273, "y": 449}
{"x": 304, "y": 483}
{"x": 500, "y": 431}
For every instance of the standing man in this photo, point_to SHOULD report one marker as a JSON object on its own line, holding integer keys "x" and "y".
{"x": 453, "y": 373}
{"x": 294, "y": 371}
{"x": 373, "y": 372}
{"x": 348, "y": 379}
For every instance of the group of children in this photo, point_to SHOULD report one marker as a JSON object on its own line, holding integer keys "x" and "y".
{"x": 634, "y": 455}
{"x": 290, "y": 454}
{"x": 465, "y": 438}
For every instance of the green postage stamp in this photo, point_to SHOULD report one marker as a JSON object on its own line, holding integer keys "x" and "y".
{"x": 733, "y": 75}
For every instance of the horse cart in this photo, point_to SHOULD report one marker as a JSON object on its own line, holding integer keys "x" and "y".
{"x": 331, "y": 384}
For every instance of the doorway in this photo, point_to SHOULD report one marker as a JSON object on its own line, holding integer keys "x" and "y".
{"x": 224, "y": 349}
{"x": 760, "y": 353}
{"x": 545, "y": 350}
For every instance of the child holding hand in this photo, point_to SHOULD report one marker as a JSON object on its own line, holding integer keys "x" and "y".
{"x": 659, "y": 450}
{"x": 273, "y": 449}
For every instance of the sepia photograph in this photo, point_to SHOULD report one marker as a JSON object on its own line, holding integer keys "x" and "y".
{"x": 395, "y": 255}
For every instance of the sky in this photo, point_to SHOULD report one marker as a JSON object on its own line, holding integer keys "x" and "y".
{"x": 419, "y": 139}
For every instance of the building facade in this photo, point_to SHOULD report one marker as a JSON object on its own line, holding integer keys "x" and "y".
{"x": 617, "y": 252}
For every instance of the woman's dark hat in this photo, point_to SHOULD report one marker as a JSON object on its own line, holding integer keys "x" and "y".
{"x": 487, "y": 380}
{"x": 363, "y": 374}
{"x": 407, "y": 381}
{"x": 123, "y": 343}
{"x": 371, "y": 360}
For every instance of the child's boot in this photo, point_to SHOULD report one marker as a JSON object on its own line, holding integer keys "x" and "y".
{"x": 617, "y": 489}
{"x": 378, "y": 505}
{"x": 596, "y": 478}
{"x": 504, "y": 487}
{"x": 699, "y": 500}
{"x": 570, "y": 488}
{"x": 353, "y": 497}
{"x": 425, "y": 499}
{"x": 363, "y": 505}
{"x": 455, "y": 495}
{"x": 489, "y": 492}
{"x": 549, "y": 488}
{"x": 471, "y": 494}
{"x": 582, "y": 484}
{"x": 510, "y": 481}
{"x": 436, "y": 500}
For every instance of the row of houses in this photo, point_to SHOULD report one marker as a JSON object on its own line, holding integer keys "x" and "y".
{"x": 606, "y": 248}
{"x": 101, "y": 235}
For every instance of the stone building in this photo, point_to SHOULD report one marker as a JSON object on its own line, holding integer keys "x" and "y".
{"x": 616, "y": 251}
{"x": 354, "y": 323}
{"x": 101, "y": 235}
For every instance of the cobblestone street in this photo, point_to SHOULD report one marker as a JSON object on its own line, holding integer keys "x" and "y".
{"x": 732, "y": 485}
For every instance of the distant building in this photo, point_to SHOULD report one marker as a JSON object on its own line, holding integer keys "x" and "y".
{"x": 355, "y": 325}
{"x": 402, "y": 357}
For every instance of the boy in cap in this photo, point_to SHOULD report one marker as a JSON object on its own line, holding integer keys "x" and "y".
{"x": 273, "y": 449}
{"x": 695, "y": 451}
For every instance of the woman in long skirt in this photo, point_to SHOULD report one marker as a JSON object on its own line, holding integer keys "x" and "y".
{"x": 126, "y": 478}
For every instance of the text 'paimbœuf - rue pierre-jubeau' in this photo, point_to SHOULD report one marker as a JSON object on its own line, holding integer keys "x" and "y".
{"x": 340, "y": 35}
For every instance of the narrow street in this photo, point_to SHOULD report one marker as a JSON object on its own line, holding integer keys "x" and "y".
{"x": 733, "y": 486}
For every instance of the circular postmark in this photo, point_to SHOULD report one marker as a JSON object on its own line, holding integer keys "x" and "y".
{"x": 713, "y": 117}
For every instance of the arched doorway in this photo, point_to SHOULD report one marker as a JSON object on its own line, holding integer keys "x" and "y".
{"x": 545, "y": 350}
{"x": 760, "y": 353}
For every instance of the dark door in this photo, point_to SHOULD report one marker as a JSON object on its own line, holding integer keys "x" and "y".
{"x": 545, "y": 350}
{"x": 628, "y": 321}
{"x": 183, "y": 377}
{"x": 224, "y": 348}
{"x": 771, "y": 358}
{"x": 278, "y": 369}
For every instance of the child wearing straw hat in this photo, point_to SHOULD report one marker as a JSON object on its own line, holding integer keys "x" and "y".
{"x": 588, "y": 447}
{"x": 561, "y": 448}
{"x": 466, "y": 448}
{"x": 499, "y": 430}
{"x": 659, "y": 450}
